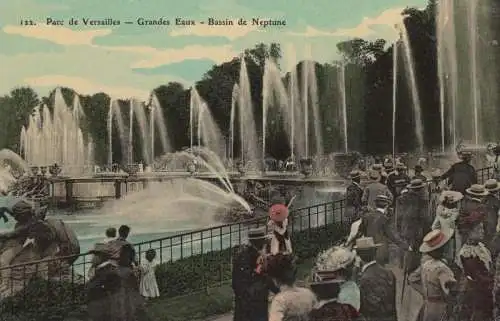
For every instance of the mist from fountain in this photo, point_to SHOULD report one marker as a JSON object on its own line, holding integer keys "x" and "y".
{"x": 467, "y": 67}
{"x": 10, "y": 162}
{"x": 410, "y": 75}
{"x": 57, "y": 137}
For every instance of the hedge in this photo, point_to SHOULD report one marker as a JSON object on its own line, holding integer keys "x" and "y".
{"x": 54, "y": 301}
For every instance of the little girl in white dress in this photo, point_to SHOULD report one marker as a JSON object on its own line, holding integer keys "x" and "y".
{"x": 149, "y": 286}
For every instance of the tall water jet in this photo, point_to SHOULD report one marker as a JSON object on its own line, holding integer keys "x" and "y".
{"x": 140, "y": 116}
{"x": 57, "y": 137}
{"x": 394, "y": 94}
{"x": 131, "y": 133}
{"x": 248, "y": 131}
{"x": 472, "y": 28}
{"x": 161, "y": 125}
{"x": 152, "y": 130}
{"x": 292, "y": 94}
{"x": 202, "y": 120}
{"x": 234, "y": 99}
{"x": 343, "y": 103}
{"x": 410, "y": 72}
{"x": 110, "y": 133}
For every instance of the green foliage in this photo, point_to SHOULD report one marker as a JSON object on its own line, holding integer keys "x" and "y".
{"x": 44, "y": 300}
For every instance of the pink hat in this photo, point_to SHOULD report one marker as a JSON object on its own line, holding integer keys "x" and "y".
{"x": 278, "y": 212}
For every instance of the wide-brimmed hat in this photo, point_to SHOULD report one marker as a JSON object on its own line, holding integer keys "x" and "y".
{"x": 492, "y": 185}
{"x": 477, "y": 190}
{"x": 377, "y": 167}
{"x": 436, "y": 173}
{"x": 278, "y": 212}
{"x": 416, "y": 184}
{"x": 389, "y": 165}
{"x": 332, "y": 260}
{"x": 258, "y": 233}
{"x": 381, "y": 198}
{"x": 355, "y": 174}
{"x": 450, "y": 197}
{"x": 435, "y": 239}
{"x": 374, "y": 175}
{"x": 418, "y": 168}
{"x": 465, "y": 155}
{"x": 364, "y": 243}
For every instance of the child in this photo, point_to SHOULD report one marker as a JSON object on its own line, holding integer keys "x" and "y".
{"x": 149, "y": 287}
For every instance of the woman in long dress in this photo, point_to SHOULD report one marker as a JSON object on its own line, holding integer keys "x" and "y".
{"x": 149, "y": 286}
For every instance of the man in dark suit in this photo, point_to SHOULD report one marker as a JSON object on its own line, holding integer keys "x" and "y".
{"x": 377, "y": 285}
{"x": 353, "y": 196}
{"x": 250, "y": 283}
{"x": 376, "y": 223}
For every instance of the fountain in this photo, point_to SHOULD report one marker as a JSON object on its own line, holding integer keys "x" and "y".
{"x": 343, "y": 103}
{"x": 202, "y": 121}
{"x": 466, "y": 70}
{"x": 146, "y": 129}
{"x": 57, "y": 137}
{"x": 410, "y": 75}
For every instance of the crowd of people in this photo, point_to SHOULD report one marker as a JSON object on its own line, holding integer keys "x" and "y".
{"x": 445, "y": 227}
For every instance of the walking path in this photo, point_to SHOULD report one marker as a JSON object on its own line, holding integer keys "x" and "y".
{"x": 407, "y": 309}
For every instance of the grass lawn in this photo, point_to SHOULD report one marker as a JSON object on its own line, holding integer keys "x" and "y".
{"x": 200, "y": 306}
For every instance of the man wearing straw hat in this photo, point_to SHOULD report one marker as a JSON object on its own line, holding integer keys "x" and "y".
{"x": 473, "y": 202}
{"x": 250, "y": 284}
{"x": 397, "y": 180}
{"x": 373, "y": 189}
{"x": 377, "y": 285}
{"x": 434, "y": 280}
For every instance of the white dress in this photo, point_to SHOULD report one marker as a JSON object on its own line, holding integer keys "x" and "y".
{"x": 149, "y": 286}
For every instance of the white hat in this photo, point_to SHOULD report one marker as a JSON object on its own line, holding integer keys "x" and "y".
{"x": 334, "y": 259}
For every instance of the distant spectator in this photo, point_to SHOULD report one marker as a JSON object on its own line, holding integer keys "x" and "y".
{"x": 148, "y": 285}
{"x": 110, "y": 235}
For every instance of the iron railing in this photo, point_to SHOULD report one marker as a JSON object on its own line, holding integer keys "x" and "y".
{"x": 67, "y": 280}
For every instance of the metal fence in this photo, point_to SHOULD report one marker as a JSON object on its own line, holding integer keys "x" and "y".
{"x": 68, "y": 275}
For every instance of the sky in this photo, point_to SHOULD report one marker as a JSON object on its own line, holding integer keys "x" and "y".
{"x": 129, "y": 60}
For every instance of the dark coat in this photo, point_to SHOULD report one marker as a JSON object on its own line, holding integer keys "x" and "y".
{"x": 251, "y": 289}
{"x": 113, "y": 295}
{"x": 460, "y": 176}
{"x": 377, "y": 286}
{"x": 378, "y": 225}
{"x": 478, "y": 296}
{"x": 396, "y": 182}
{"x": 334, "y": 311}
{"x": 468, "y": 206}
{"x": 354, "y": 194}
{"x": 413, "y": 216}
{"x": 492, "y": 204}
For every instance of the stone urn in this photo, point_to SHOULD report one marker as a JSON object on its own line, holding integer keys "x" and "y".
{"x": 240, "y": 167}
{"x": 191, "y": 168}
{"x": 34, "y": 170}
{"x": 306, "y": 167}
{"x": 132, "y": 169}
{"x": 43, "y": 170}
{"x": 55, "y": 170}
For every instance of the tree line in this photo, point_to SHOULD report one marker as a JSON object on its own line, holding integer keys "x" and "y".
{"x": 368, "y": 79}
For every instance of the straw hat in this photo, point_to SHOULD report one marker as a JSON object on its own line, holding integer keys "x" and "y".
{"x": 278, "y": 212}
{"x": 450, "y": 196}
{"x": 436, "y": 173}
{"x": 477, "y": 190}
{"x": 416, "y": 184}
{"x": 383, "y": 199}
{"x": 334, "y": 259}
{"x": 377, "y": 167}
{"x": 363, "y": 243}
{"x": 435, "y": 239}
{"x": 400, "y": 166}
{"x": 492, "y": 185}
{"x": 355, "y": 174}
{"x": 374, "y": 175}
